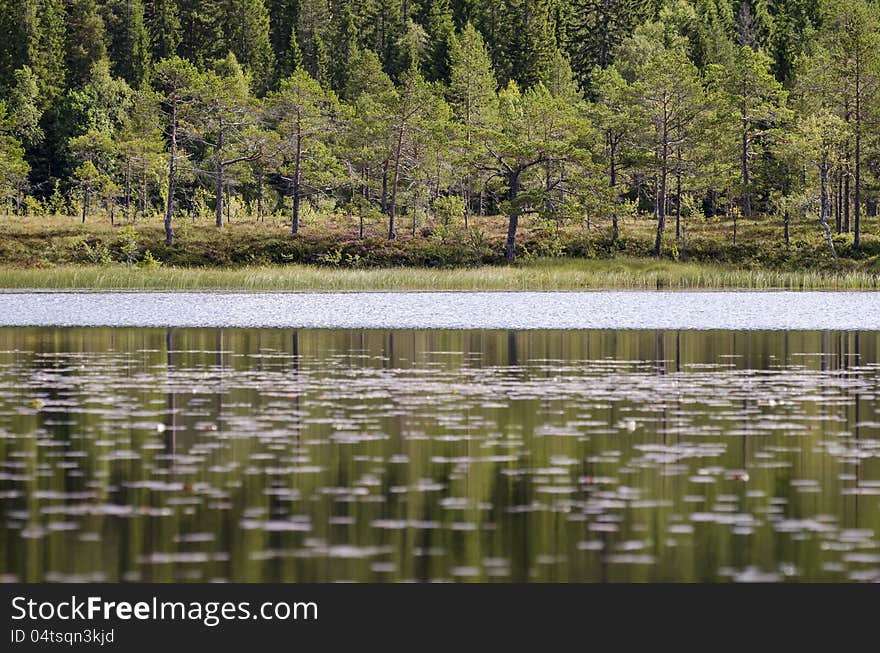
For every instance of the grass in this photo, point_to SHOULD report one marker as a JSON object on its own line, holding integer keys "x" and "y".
{"x": 554, "y": 274}
{"x": 59, "y": 252}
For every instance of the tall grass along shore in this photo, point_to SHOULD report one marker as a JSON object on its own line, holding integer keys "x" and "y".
{"x": 536, "y": 275}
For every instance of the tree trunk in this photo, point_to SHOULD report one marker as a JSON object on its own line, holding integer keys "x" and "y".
{"x": 857, "y": 160}
{"x": 746, "y": 192}
{"x": 467, "y": 202}
{"x": 838, "y": 204}
{"x": 260, "y": 195}
{"x": 661, "y": 195}
{"x": 383, "y": 199}
{"x": 128, "y": 191}
{"x": 513, "y": 217}
{"x": 846, "y": 195}
{"x": 612, "y": 174}
{"x": 735, "y": 214}
{"x": 218, "y": 200}
{"x": 143, "y": 197}
{"x": 785, "y": 222}
{"x": 823, "y": 213}
{"x": 172, "y": 156}
{"x": 85, "y": 208}
{"x": 297, "y": 180}
{"x": 678, "y": 200}
{"x": 394, "y": 181}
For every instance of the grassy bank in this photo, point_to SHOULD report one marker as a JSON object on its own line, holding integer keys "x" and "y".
{"x": 536, "y": 275}
{"x": 60, "y": 252}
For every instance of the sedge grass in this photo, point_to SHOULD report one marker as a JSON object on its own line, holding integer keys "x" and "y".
{"x": 537, "y": 275}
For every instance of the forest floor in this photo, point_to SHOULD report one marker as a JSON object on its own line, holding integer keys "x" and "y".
{"x": 327, "y": 254}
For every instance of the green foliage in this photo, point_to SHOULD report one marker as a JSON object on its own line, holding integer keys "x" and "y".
{"x": 149, "y": 262}
{"x": 128, "y": 39}
{"x": 126, "y": 241}
{"x": 24, "y": 107}
{"x": 85, "y": 39}
{"x": 556, "y": 112}
{"x": 96, "y": 253}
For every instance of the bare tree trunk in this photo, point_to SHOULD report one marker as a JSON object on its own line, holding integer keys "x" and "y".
{"x": 857, "y": 160}
{"x": 297, "y": 180}
{"x": 394, "y": 181}
{"x": 735, "y": 215}
{"x": 785, "y": 230}
{"x": 383, "y": 199}
{"x": 218, "y": 200}
{"x": 85, "y": 207}
{"x": 678, "y": 199}
{"x": 172, "y": 163}
{"x": 128, "y": 190}
{"x": 260, "y": 195}
{"x": 467, "y": 202}
{"x": 513, "y": 217}
{"x": 144, "y": 190}
{"x": 746, "y": 193}
{"x": 846, "y": 196}
{"x": 838, "y": 203}
{"x": 661, "y": 195}
{"x": 823, "y": 213}
{"x": 612, "y": 174}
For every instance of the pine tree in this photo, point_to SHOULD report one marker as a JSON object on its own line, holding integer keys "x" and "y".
{"x": 440, "y": 30}
{"x": 175, "y": 80}
{"x": 24, "y": 108}
{"x": 473, "y": 101}
{"x": 302, "y": 113}
{"x": 516, "y": 149}
{"x": 85, "y": 39}
{"x": 755, "y": 103}
{"x": 854, "y": 44}
{"x": 669, "y": 106}
{"x": 246, "y": 35}
{"x": 225, "y": 121}
{"x": 46, "y": 51}
{"x": 13, "y": 167}
{"x": 312, "y": 25}
{"x": 129, "y": 42}
{"x": 344, "y": 36}
{"x": 201, "y": 30}
{"x": 282, "y": 23}
{"x": 529, "y": 42}
{"x": 13, "y": 52}
{"x": 163, "y": 26}
{"x": 381, "y": 27}
{"x": 793, "y": 30}
{"x": 598, "y": 27}
{"x": 472, "y": 83}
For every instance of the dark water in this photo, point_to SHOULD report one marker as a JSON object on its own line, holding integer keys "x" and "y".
{"x": 384, "y": 455}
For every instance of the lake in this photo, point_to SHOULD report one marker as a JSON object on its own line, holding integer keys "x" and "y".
{"x": 660, "y": 449}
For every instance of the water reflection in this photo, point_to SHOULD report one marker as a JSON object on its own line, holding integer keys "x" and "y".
{"x": 310, "y": 455}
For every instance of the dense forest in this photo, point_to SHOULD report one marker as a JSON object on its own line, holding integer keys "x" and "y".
{"x": 590, "y": 111}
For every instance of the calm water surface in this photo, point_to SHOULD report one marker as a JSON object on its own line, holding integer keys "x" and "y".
{"x": 383, "y": 455}
{"x": 449, "y": 310}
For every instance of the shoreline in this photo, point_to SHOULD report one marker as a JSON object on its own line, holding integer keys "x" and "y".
{"x": 541, "y": 275}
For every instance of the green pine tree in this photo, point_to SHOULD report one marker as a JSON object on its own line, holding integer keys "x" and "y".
{"x": 246, "y": 34}
{"x": 85, "y": 39}
{"x": 440, "y": 30}
{"x": 163, "y": 27}
{"x": 344, "y": 36}
{"x": 129, "y": 42}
